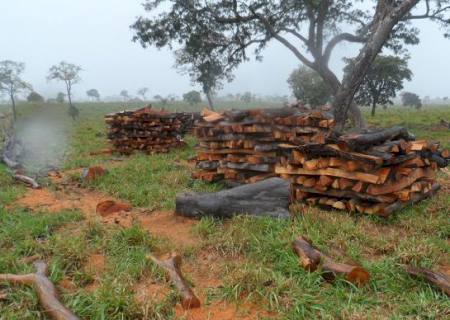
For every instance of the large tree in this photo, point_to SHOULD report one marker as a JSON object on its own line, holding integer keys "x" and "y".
{"x": 382, "y": 81}
{"x": 410, "y": 99}
{"x": 11, "y": 82}
{"x": 192, "y": 97}
{"x": 309, "y": 87}
{"x": 69, "y": 74}
{"x": 94, "y": 94}
{"x": 310, "y": 29}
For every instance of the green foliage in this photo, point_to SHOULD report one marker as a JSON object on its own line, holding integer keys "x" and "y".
{"x": 60, "y": 97}
{"x": 309, "y": 87}
{"x": 192, "y": 97}
{"x": 382, "y": 81}
{"x": 93, "y": 93}
{"x": 410, "y": 99}
{"x": 35, "y": 97}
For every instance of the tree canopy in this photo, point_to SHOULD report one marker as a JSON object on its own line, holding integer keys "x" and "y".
{"x": 11, "y": 82}
{"x": 192, "y": 97}
{"x": 308, "y": 86}
{"x": 410, "y": 99}
{"x": 232, "y": 30}
{"x": 143, "y": 92}
{"x": 93, "y": 93}
{"x": 382, "y": 81}
{"x": 35, "y": 97}
{"x": 125, "y": 95}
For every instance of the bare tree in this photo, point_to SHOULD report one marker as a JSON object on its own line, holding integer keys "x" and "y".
{"x": 143, "y": 93}
{"x": 69, "y": 74}
{"x": 11, "y": 82}
{"x": 125, "y": 95}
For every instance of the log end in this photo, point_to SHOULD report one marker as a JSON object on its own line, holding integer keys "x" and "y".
{"x": 190, "y": 303}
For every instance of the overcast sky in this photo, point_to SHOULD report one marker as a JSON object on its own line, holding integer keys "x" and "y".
{"x": 95, "y": 34}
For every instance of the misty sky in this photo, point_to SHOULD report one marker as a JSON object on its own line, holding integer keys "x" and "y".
{"x": 96, "y": 35}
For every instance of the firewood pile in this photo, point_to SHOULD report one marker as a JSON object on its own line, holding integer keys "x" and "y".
{"x": 187, "y": 120}
{"x": 243, "y": 146}
{"x": 377, "y": 171}
{"x": 146, "y": 129}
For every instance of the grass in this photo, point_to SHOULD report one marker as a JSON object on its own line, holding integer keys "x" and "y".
{"x": 254, "y": 256}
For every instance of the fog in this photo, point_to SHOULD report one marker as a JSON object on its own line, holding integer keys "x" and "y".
{"x": 95, "y": 34}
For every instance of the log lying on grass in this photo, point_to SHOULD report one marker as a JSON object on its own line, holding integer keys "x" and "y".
{"x": 439, "y": 279}
{"x": 172, "y": 266}
{"x": 265, "y": 198}
{"x": 47, "y": 293}
{"x": 311, "y": 259}
{"x": 27, "y": 180}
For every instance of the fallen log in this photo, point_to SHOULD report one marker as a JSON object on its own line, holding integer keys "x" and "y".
{"x": 27, "y": 180}
{"x": 265, "y": 198}
{"x": 311, "y": 259}
{"x": 172, "y": 266}
{"x": 46, "y": 291}
{"x": 439, "y": 279}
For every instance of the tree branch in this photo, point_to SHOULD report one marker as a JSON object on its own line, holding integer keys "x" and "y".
{"x": 339, "y": 38}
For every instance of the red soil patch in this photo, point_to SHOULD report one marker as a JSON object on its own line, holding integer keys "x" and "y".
{"x": 109, "y": 207}
{"x": 149, "y": 292}
{"x": 222, "y": 311}
{"x": 93, "y": 173}
{"x": 168, "y": 225}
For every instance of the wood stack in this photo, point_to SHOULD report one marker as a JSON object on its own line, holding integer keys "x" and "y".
{"x": 373, "y": 172}
{"x": 146, "y": 129}
{"x": 243, "y": 146}
{"x": 187, "y": 120}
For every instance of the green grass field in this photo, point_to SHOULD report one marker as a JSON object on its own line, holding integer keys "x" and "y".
{"x": 252, "y": 257}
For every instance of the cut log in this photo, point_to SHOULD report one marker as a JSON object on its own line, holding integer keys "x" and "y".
{"x": 27, "y": 180}
{"x": 361, "y": 141}
{"x": 395, "y": 186}
{"x": 265, "y": 198}
{"x": 172, "y": 266}
{"x": 311, "y": 258}
{"x": 439, "y": 279}
{"x": 46, "y": 291}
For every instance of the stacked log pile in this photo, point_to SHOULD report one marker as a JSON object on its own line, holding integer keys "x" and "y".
{"x": 243, "y": 146}
{"x": 187, "y": 120}
{"x": 373, "y": 172}
{"x": 146, "y": 129}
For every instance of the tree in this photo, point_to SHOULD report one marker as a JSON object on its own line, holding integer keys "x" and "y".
{"x": 410, "y": 99}
{"x": 247, "y": 97}
{"x": 310, "y": 29}
{"x": 309, "y": 87}
{"x": 143, "y": 92}
{"x": 60, "y": 97}
{"x": 11, "y": 82}
{"x": 382, "y": 81}
{"x": 35, "y": 97}
{"x": 125, "y": 95}
{"x": 94, "y": 94}
{"x": 69, "y": 74}
{"x": 203, "y": 66}
{"x": 192, "y": 97}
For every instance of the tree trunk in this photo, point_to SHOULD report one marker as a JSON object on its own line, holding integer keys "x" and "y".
{"x": 13, "y": 103}
{"x": 374, "y": 106}
{"x": 210, "y": 100}
{"x": 266, "y": 198}
{"x": 385, "y": 19}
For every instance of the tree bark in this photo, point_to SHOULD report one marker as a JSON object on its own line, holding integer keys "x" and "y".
{"x": 374, "y": 106}
{"x": 13, "y": 103}
{"x": 210, "y": 100}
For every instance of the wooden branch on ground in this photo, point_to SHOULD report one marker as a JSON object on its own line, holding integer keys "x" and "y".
{"x": 172, "y": 266}
{"x": 445, "y": 123}
{"x": 439, "y": 279}
{"x": 311, "y": 258}
{"x": 27, "y": 180}
{"x": 46, "y": 291}
{"x": 265, "y": 198}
